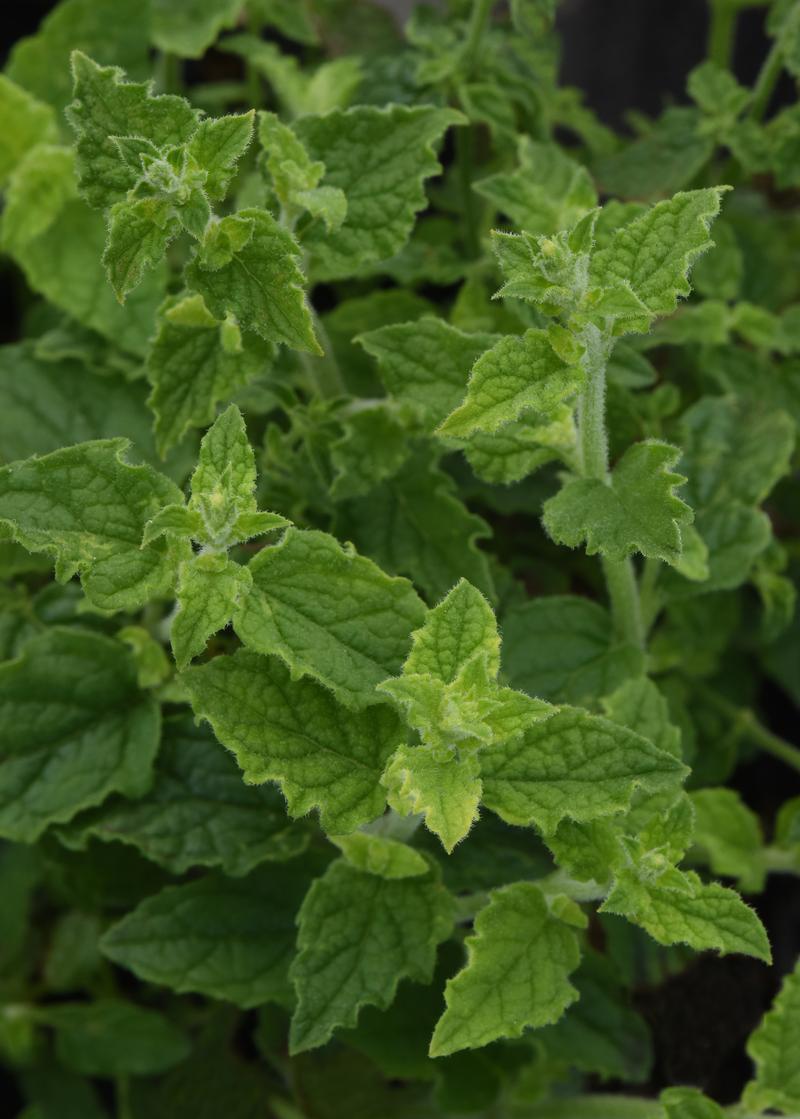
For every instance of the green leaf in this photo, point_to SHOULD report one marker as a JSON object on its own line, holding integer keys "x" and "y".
{"x": 138, "y": 235}
{"x": 261, "y": 284}
{"x": 217, "y": 146}
{"x": 329, "y": 613}
{"x": 106, "y": 106}
{"x": 76, "y": 728}
{"x": 415, "y": 524}
{"x": 562, "y": 648}
{"x": 518, "y": 374}
{"x": 425, "y": 364}
{"x": 87, "y": 507}
{"x": 295, "y": 733}
{"x": 666, "y": 158}
{"x": 210, "y": 589}
{"x": 373, "y": 446}
{"x": 108, "y": 30}
{"x": 110, "y": 1037}
{"x": 773, "y": 1048}
{"x": 39, "y": 187}
{"x": 730, "y": 833}
{"x": 359, "y": 935}
{"x": 522, "y": 446}
{"x": 655, "y": 252}
{"x": 192, "y": 367}
{"x": 28, "y": 123}
{"x": 376, "y": 854}
{"x": 636, "y": 511}
{"x": 716, "y": 91}
{"x": 380, "y": 159}
{"x": 189, "y": 27}
{"x": 572, "y": 766}
{"x": 689, "y": 1103}
{"x": 516, "y": 976}
{"x": 447, "y": 791}
{"x": 462, "y": 626}
{"x": 226, "y": 938}
{"x": 198, "y": 812}
{"x": 677, "y": 908}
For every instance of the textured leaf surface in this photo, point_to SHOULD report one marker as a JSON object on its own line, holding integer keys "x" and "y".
{"x": 636, "y": 512}
{"x": 573, "y": 766}
{"x": 377, "y": 854}
{"x": 380, "y": 159}
{"x": 88, "y": 508}
{"x": 518, "y": 374}
{"x": 261, "y": 285}
{"x": 115, "y": 1038}
{"x": 677, "y": 908}
{"x": 359, "y": 935}
{"x": 731, "y": 835}
{"x": 329, "y": 613}
{"x": 75, "y": 729}
{"x": 295, "y": 733}
{"x": 198, "y": 812}
{"x": 516, "y": 976}
{"x": 773, "y": 1047}
{"x": 210, "y": 589}
{"x": 461, "y": 626}
{"x": 221, "y": 937}
{"x": 138, "y": 235}
{"x": 447, "y": 791}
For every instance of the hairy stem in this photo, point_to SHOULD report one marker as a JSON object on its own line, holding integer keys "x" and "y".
{"x": 722, "y": 32}
{"x": 746, "y": 723}
{"x": 168, "y": 73}
{"x": 765, "y": 83}
{"x": 623, "y": 591}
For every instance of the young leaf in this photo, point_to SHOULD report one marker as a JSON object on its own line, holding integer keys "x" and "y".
{"x": 210, "y": 589}
{"x": 217, "y": 146}
{"x": 227, "y": 938}
{"x": 379, "y": 159}
{"x": 516, "y": 976}
{"x": 114, "y": 1038}
{"x": 773, "y": 1048}
{"x": 636, "y": 511}
{"x": 329, "y": 613}
{"x": 87, "y": 507}
{"x": 461, "y": 627}
{"x": 518, "y": 374}
{"x": 677, "y": 908}
{"x": 376, "y": 854}
{"x": 76, "y": 728}
{"x": 295, "y": 733}
{"x": 138, "y": 235}
{"x": 260, "y": 284}
{"x": 194, "y": 362}
{"x": 447, "y": 791}
{"x": 654, "y": 253}
{"x": 198, "y": 812}
{"x": 572, "y": 766}
{"x": 359, "y": 935}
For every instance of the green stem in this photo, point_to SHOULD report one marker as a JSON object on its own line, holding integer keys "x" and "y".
{"x": 255, "y": 89}
{"x": 623, "y": 593}
{"x": 746, "y": 723}
{"x": 168, "y": 73}
{"x": 765, "y": 82}
{"x": 722, "y": 32}
{"x": 478, "y": 20}
{"x": 123, "y": 1098}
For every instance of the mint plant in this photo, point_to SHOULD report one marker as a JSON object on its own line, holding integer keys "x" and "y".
{"x": 399, "y": 546}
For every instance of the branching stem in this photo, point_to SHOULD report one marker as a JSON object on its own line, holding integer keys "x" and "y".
{"x": 765, "y": 83}
{"x": 747, "y": 724}
{"x": 722, "y": 32}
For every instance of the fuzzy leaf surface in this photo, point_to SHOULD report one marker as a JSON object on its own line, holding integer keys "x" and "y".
{"x": 773, "y": 1048}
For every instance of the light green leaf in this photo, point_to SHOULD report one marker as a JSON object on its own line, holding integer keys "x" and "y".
{"x": 666, "y": 158}
{"x": 730, "y": 834}
{"x": 76, "y": 728}
{"x": 290, "y": 166}
{"x": 518, "y": 374}
{"x": 295, "y": 733}
{"x": 138, "y": 235}
{"x": 108, "y": 30}
{"x": 329, "y": 613}
{"x": 189, "y": 27}
{"x": 292, "y": 18}
{"x": 640, "y": 706}
{"x": 40, "y": 186}
{"x": 773, "y": 1048}
{"x": 226, "y": 938}
{"x": 425, "y": 364}
{"x": 210, "y": 589}
{"x": 380, "y": 159}
{"x": 522, "y": 446}
{"x": 446, "y": 790}
{"x": 217, "y": 146}
{"x": 110, "y": 1037}
{"x": 636, "y": 511}
{"x": 359, "y": 936}
{"x": 376, "y": 854}
{"x": 572, "y": 766}
{"x": 198, "y": 812}
{"x": 516, "y": 976}
{"x": 415, "y": 524}
{"x": 655, "y": 252}
{"x": 325, "y": 202}
{"x": 462, "y": 626}
{"x": 107, "y": 106}
{"x": 28, "y": 122}
{"x": 678, "y": 908}
{"x": 689, "y": 1103}
{"x": 562, "y": 648}
{"x": 261, "y": 285}
{"x": 191, "y": 368}
{"x": 716, "y": 92}
{"x": 87, "y": 507}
